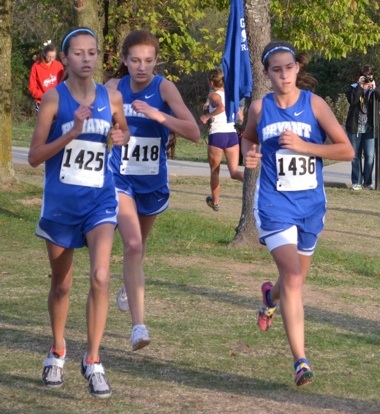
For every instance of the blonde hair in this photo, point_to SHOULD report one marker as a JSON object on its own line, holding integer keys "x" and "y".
{"x": 216, "y": 77}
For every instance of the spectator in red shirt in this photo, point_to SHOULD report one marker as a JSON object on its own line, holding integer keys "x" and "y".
{"x": 46, "y": 72}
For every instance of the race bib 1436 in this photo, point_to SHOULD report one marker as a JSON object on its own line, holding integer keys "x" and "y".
{"x": 295, "y": 171}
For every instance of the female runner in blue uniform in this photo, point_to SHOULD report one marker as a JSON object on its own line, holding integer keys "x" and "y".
{"x": 153, "y": 106}
{"x": 79, "y": 201}
{"x": 291, "y": 125}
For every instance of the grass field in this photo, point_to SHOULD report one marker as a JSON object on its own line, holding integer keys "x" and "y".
{"x": 185, "y": 150}
{"x": 207, "y": 354}
{"x": 22, "y": 133}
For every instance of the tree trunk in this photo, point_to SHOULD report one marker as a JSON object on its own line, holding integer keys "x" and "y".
{"x": 116, "y": 28}
{"x": 7, "y": 174}
{"x": 122, "y": 28}
{"x": 89, "y": 13}
{"x": 257, "y": 24}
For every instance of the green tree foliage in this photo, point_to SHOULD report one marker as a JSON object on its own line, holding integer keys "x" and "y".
{"x": 330, "y": 28}
{"x": 335, "y": 75}
{"x": 50, "y": 21}
{"x": 191, "y": 35}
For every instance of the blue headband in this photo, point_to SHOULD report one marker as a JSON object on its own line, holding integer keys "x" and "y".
{"x": 73, "y": 33}
{"x": 275, "y": 49}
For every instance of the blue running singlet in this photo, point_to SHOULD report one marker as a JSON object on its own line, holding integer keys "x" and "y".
{"x": 77, "y": 178}
{"x": 142, "y": 163}
{"x": 290, "y": 184}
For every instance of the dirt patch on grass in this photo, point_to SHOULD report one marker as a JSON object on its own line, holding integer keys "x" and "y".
{"x": 352, "y": 219}
{"x": 190, "y": 367}
{"x": 31, "y": 202}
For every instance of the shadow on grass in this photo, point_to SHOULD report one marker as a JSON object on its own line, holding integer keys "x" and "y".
{"x": 143, "y": 366}
{"x": 318, "y": 315}
{"x": 30, "y": 385}
{"x": 146, "y": 367}
{"x": 211, "y": 294}
{"x": 140, "y": 365}
{"x": 347, "y": 322}
{"x": 7, "y": 213}
{"x": 352, "y": 233}
{"x": 355, "y": 211}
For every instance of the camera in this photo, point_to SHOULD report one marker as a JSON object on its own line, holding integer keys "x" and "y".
{"x": 368, "y": 79}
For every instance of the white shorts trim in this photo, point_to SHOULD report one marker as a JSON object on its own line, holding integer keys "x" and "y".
{"x": 288, "y": 236}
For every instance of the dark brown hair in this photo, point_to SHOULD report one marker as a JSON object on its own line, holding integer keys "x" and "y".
{"x": 65, "y": 44}
{"x": 47, "y": 48}
{"x": 304, "y": 79}
{"x": 366, "y": 70}
{"x": 135, "y": 38}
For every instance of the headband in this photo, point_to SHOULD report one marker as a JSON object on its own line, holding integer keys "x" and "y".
{"x": 73, "y": 33}
{"x": 275, "y": 49}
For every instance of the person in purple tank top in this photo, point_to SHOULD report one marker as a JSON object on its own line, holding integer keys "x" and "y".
{"x": 290, "y": 124}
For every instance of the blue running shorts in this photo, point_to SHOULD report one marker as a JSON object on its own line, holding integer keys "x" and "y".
{"x": 72, "y": 236}
{"x": 302, "y": 232}
{"x": 149, "y": 204}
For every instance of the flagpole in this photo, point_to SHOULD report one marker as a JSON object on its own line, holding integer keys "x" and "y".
{"x": 376, "y": 134}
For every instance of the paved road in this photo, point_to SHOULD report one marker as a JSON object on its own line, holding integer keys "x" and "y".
{"x": 337, "y": 174}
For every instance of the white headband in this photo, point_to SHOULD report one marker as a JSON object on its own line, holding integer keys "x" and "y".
{"x": 73, "y": 33}
{"x": 270, "y": 51}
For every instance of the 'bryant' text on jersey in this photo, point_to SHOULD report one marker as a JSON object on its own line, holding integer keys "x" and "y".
{"x": 277, "y": 128}
{"x": 129, "y": 111}
{"x": 90, "y": 126}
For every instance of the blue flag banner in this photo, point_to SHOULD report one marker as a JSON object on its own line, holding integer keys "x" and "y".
{"x": 236, "y": 62}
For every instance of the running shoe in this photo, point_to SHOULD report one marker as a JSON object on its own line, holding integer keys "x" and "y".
{"x": 356, "y": 187}
{"x": 139, "y": 337}
{"x": 52, "y": 374}
{"x": 122, "y": 300}
{"x": 211, "y": 204}
{"x": 369, "y": 187}
{"x": 304, "y": 375}
{"x": 265, "y": 312}
{"x": 98, "y": 385}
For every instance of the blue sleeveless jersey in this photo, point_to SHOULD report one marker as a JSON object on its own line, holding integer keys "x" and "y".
{"x": 290, "y": 185}
{"x": 142, "y": 163}
{"x": 77, "y": 178}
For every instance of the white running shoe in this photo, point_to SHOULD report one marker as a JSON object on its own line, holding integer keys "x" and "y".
{"x": 52, "y": 374}
{"x": 98, "y": 385}
{"x": 122, "y": 300}
{"x": 139, "y": 337}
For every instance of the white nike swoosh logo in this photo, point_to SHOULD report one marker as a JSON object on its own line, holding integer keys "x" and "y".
{"x": 160, "y": 199}
{"x": 298, "y": 113}
{"x": 101, "y": 109}
{"x": 149, "y": 96}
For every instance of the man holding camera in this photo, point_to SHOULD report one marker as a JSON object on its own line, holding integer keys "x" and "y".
{"x": 359, "y": 127}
